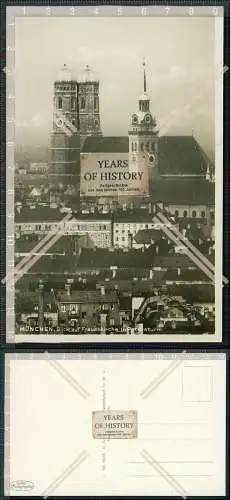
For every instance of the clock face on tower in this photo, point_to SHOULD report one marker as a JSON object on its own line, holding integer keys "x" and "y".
{"x": 135, "y": 119}
{"x": 152, "y": 158}
{"x": 148, "y": 119}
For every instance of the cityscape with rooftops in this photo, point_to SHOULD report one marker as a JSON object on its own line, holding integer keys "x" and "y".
{"x": 131, "y": 216}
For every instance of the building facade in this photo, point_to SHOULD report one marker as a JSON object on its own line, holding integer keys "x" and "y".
{"x": 76, "y": 114}
{"x": 97, "y": 228}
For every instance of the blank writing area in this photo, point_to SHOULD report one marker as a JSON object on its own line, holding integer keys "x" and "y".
{"x": 49, "y": 445}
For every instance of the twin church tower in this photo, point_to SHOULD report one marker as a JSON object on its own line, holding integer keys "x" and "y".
{"x": 76, "y": 116}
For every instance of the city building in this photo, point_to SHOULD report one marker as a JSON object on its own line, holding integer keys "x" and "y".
{"x": 38, "y": 168}
{"x": 93, "y": 309}
{"x": 126, "y": 224}
{"x": 43, "y": 220}
{"x": 76, "y": 115}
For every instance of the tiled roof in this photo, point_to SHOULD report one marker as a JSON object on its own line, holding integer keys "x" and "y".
{"x": 125, "y": 303}
{"x": 198, "y": 293}
{"x": 88, "y": 297}
{"x": 132, "y": 216}
{"x": 55, "y": 264}
{"x": 64, "y": 244}
{"x": 183, "y": 191}
{"x": 27, "y": 302}
{"x": 181, "y": 155}
{"x": 173, "y": 261}
{"x": 178, "y": 155}
{"x": 104, "y": 258}
{"x": 92, "y": 216}
{"x": 116, "y": 144}
{"x": 38, "y": 214}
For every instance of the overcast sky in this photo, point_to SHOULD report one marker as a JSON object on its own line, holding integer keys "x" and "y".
{"x": 179, "y": 55}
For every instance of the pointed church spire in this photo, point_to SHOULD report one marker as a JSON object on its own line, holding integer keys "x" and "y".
{"x": 144, "y": 76}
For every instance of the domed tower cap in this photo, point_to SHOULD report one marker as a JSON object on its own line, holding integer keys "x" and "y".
{"x": 64, "y": 75}
{"x": 87, "y": 76}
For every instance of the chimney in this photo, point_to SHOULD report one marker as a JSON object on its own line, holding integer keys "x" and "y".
{"x": 151, "y": 274}
{"x": 68, "y": 289}
{"x": 40, "y": 304}
{"x": 102, "y": 290}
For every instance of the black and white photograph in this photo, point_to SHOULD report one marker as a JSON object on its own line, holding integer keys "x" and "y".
{"x": 115, "y": 196}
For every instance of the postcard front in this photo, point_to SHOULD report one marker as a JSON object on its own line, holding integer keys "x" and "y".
{"x": 115, "y": 174}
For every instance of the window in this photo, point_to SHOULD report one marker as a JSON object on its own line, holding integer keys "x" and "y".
{"x": 123, "y": 238}
{"x": 194, "y": 213}
{"x": 202, "y": 213}
{"x": 185, "y": 213}
{"x": 153, "y": 146}
{"x": 147, "y": 146}
{"x": 82, "y": 103}
{"x": 132, "y": 146}
{"x": 73, "y": 103}
{"x": 95, "y": 102}
{"x": 135, "y": 146}
{"x": 142, "y": 146}
{"x": 212, "y": 215}
{"x": 59, "y": 102}
{"x": 176, "y": 213}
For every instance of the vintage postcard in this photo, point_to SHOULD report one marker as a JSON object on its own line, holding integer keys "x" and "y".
{"x": 114, "y": 174}
{"x": 89, "y": 423}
